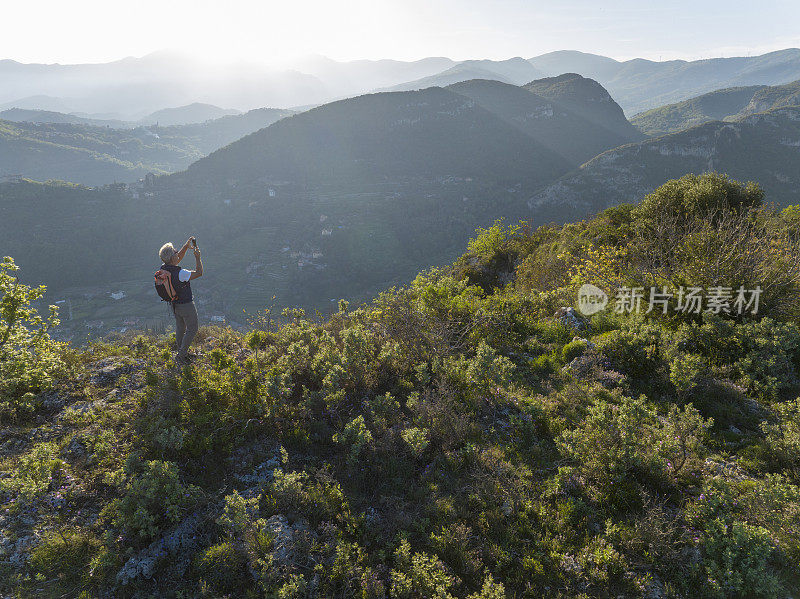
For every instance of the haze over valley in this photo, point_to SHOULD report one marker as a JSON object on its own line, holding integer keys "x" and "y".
{"x": 345, "y": 198}
{"x": 132, "y": 88}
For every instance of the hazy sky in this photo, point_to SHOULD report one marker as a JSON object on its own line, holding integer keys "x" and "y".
{"x": 102, "y": 30}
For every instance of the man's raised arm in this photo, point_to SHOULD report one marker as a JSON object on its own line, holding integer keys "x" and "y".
{"x": 198, "y": 272}
{"x": 182, "y": 252}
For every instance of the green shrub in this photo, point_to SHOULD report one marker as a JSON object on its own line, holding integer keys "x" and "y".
{"x": 636, "y": 352}
{"x": 771, "y": 503}
{"x": 66, "y": 556}
{"x": 444, "y": 412}
{"x": 488, "y": 371}
{"x": 348, "y": 568}
{"x": 770, "y": 353}
{"x": 613, "y": 439}
{"x": 416, "y": 439}
{"x": 29, "y": 359}
{"x": 246, "y": 548}
{"x": 736, "y": 561}
{"x": 359, "y": 350}
{"x": 783, "y": 436}
{"x": 317, "y": 499}
{"x": 420, "y": 576}
{"x": 35, "y": 472}
{"x": 601, "y": 564}
{"x": 694, "y": 195}
{"x": 489, "y": 590}
{"x": 685, "y": 370}
{"x": 618, "y": 439}
{"x": 238, "y": 514}
{"x": 491, "y": 240}
{"x": 294, "y": 588}
{"x": 223, "y": 567}
{"x": 456, "y": 545}
{"x": 154, "y": 499}
{"x": 544, "y": 366}
{"x": 354, "y": 437}
{"x": 385, "y": 411}
{"x": 573, "y": 349}
{"x": 552, "y": 331}
{"x": 214, "y": 403}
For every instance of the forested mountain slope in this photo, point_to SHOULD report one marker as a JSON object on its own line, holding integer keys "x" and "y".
{"x": 725, "y": 104}
{"x": 587, "y": 98}
{"x": 763, "y": 147}
{"x": 718, "y": 105}
{"x": 572, "y": 135}
{"x": 424, "y": 134}
{"x": 91, "y": 154}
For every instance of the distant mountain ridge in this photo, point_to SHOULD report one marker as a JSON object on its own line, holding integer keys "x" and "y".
{"x": 365, "y": 137}
{"x": 763, "y": 147}
{"x": 133, "y": 87}
{"x": 514, "y": 70}
{"x": 640, "y": 85}
{"x": 724, "y": 104}
{"x": 26, "y": 115}
{"x": 535, "y": 138}
{"x": 178, "y": 115}
{"x": 358, "y": 76}
{"x": 777, "y": 96}
{"x": 457, "y": 74}
{"x": 197, "y": 112}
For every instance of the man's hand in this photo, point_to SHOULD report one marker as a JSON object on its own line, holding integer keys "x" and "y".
{"x": 196, "y": 252}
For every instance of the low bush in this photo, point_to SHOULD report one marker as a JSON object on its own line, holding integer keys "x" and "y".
{"x": 154, "y": 498}
{"x": 35, "y": 473}
{"x": 782, "y": 436}
{"x": 67, "y": 557}
{"x": 30, "y": 361}
{"x": 573, "y": 349}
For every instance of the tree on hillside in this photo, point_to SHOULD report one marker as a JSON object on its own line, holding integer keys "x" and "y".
{"x": 29, "y": 358}
{"x": 705, "y": 231}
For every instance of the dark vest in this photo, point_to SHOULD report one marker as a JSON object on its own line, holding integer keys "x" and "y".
{"x": 184, "y": 290}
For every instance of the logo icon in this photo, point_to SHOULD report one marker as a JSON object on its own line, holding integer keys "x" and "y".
{"x": 591, "y": 299}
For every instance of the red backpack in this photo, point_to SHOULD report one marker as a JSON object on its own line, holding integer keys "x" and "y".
{"x": 164, "y": 287}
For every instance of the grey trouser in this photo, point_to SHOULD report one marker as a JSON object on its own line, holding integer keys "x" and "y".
{"x": 185, "y": 326}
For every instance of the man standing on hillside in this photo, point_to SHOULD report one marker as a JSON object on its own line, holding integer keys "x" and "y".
{"x": 186, "y": 323}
